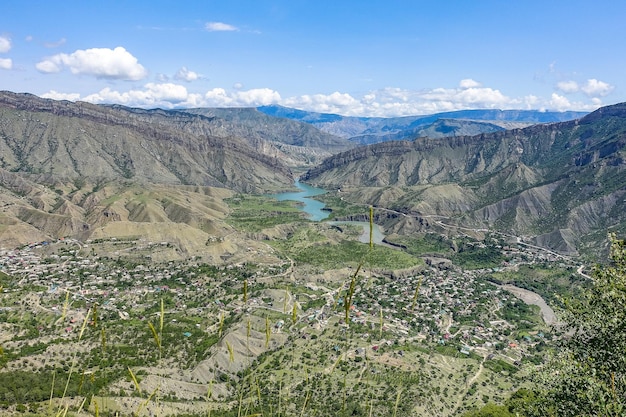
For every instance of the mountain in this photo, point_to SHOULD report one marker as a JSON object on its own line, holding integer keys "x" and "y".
{"x": 563, "y": 183}
{"x": 67, "y": 140}
{"x": 441, "y": 128}
{"x": 368, "y": 130}
{"x": 75, "y": 169}
{"x": 297, "y": 143}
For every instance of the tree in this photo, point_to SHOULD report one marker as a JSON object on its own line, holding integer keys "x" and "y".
{"x": 587, "y": 375}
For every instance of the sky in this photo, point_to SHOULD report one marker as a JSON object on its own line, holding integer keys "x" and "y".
{"x": 355, "y": 58}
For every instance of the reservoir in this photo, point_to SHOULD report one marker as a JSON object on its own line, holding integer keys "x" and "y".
{"x": 311, "y": 207}
{"x": 316, "y": 212}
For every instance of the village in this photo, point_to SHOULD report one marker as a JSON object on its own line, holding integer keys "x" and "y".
{"x": 441, "y": 305}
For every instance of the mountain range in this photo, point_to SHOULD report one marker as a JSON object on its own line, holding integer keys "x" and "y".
{"x": 83, "y": 170}
{"x": 368, "y": 130}
{"x": 563, "y": 184}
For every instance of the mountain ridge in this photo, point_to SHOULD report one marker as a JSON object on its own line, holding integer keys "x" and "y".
{"x": 368, "y": 130}
{"x": 530, "y": 181}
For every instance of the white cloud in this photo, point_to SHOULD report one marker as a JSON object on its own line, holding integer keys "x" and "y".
{"x": 596, "y": 88}
{"x": 165, "y": 95}
{"x": 5, "y": 44}
{"x": 55, "y": 95}
{"x": 387, "y": 102}
{"x": 55, "y": 44}
{"x": 218, "y": 97}
{"x": 567, "y": 87}
{"x": 219, "y": 27}
{"x": 559, "y": 103}
{"x": 6, "y": 63}
{"x": 469, "y": 83}
{"x": 184, "y": 74}
{"x": 105, "y": 63}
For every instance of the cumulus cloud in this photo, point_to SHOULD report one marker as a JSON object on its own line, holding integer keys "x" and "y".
{"x": 5, "y": 44}
{"x": 469, "y": 83}
{"x": 184, "y": 74}
{"x": 165, "y": 95}
{"x": 116, "y": 64}
{"x": 220, "y": 27}
{"x": 219, "y": 97}
{"x": 559, "y": 103}
{"x": 567, "y": 87}
{"x": 389, "y": 102}
{"x": 596, "y": 88}
{"x": 55, "y": 95}
{"x": 6, "y": 63}
{"x": 386, "y": 102}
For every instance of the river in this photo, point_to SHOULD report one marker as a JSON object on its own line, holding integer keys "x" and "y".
{"x": 316, "y": 212}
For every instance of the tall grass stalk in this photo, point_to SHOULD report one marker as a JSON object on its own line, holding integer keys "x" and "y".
{"x": 209, "y": 395}
{"x": 221, "y": 328}
{"x": 54, "y": 374}
{"x": 74, "y": 359}
{"x": 231, "y": 352}
{"x": 285, "y": 298}
{"x": 306, "y": 401}
{"x": 248, "y": 331}
{"x": 352, "y": 288}
{"x": 240, "y": 400}
{"x": 134, "y": 379}
{"x": 155, "y": 335}
{"x": 371, "y": 227}
{"x": 417, "y": 291}
{"x": 395, "y": 408}
{"x": 63, "y": 412}
{"x": 147, "y": 401}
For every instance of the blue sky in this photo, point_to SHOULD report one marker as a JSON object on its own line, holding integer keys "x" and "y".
{"x": 359, "y": 58}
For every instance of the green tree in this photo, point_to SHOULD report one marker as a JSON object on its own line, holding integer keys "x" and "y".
{"x": 587, "y": 375}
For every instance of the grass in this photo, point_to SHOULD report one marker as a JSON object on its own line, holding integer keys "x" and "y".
{"x": 340, "y": 208}
{"x": 255, "y": 213}
{"x": 427, "y": 243}
{"x": 347, "y": 253}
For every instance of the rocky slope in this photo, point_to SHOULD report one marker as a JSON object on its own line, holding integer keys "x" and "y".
{"x": 81, "y": 170}
{"x": 67, "y": 141}
{"x": 298, "y": 143}
{"x": 563, "y": 183}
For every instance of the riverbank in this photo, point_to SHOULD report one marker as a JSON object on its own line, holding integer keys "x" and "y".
{"x": 531, "y": 298}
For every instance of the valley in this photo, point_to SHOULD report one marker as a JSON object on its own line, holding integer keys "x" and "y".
{"x": 147, "y": 266}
